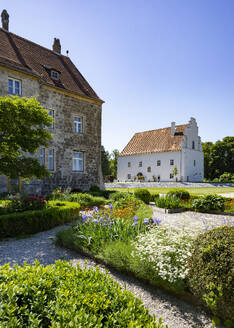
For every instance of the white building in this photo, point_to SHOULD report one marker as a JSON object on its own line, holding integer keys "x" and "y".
{"x": 155, "y": 154}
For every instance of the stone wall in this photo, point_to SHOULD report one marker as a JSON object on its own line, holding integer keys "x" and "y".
{"x": 65, "y": 140}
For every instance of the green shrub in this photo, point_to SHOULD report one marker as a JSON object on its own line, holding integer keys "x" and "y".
{"x": 94, "y": 188}
{"x": 143, "y": 194}
{"x": 87, "y": 200}
{"x": 29, "y": 222}
{"x": 226, "y": 177}
{"x": 208, "y": 203}
{"x": 60, "y": 295}
{"x": 168, "y": 202}
{"x": 179, "y": 193}
{"x": 120, "y": 195}
{"x": 27, "y": 203}
{"x": 210, "y": 274}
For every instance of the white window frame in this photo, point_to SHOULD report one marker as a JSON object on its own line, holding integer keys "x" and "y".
{"x": 13, "y": 86}
{"x": 51, "y": 114}
{"x": 42, "y": 156}
{"x": 149, "y": 169}
{"x": 129, "y": 176}
{"x": 140, "y": 164}
{"x": 171, "y": 161}
{"x": 158, "y": 162}
{"x": 171, "y": 176}
{"x": 78, "y": 124}
{"x": 78, "y": 161}
{"x": 51, "y": 156}
{"x": 129, "y": 164}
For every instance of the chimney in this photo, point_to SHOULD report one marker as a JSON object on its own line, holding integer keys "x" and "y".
{"x": 172, "y": 129}
{"x": 57, "y": 46}
{"x": 5, "y": 20}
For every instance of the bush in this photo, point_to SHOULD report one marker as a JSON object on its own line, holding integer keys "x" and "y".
{"x": 210, "y": 275}
{"x": 168, "y": 202}
{"x": 226, "y": 177}
{"x": 27, "y": 203}
{"x": 121, "y": 195}
{"x": 86, "y": 199}
{"x": 60, "y": 295}
{"x": 94, "y": 188}
{"x": 209, "y": 203}
{"x": 179, "y": 193}
{"x": 143, "y": 194}
{"x": 29, "y": 222}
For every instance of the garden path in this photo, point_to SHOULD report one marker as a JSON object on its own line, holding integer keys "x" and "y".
{"x": 193, "y": 221}
{"x": 175, "y": 312}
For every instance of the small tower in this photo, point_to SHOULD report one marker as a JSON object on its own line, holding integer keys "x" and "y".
{"x": 5, "y": 20}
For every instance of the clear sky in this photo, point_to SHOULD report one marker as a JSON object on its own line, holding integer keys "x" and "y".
{"x": 151, "y": 61}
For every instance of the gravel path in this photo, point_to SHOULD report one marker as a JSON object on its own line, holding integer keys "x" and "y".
{"x": 176, "y": 313}
{"x": 193, "y": 221}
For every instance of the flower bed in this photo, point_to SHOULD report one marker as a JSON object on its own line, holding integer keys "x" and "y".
{"x": 28, "y": 222}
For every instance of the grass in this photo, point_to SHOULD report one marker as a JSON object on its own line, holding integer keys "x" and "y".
{"x": 191, "y": 190}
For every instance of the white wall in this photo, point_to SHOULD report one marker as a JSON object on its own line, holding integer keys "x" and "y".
{"x": 149, "y": 160}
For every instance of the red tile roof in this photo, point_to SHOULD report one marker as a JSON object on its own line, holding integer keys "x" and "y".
{"x": 29, "y": 57}
{"x": 155, "y": 141}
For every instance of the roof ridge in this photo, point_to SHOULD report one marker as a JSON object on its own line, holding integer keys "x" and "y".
{"x": 180, "y": 125}
{"x": 37, "y": 44}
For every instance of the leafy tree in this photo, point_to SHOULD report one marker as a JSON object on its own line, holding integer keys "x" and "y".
{"x": 114, "y": 162}
{"x": 175, "y": 171}
{"x": 22, "y": 132}
{"x": 105, "y": 158}
{"x": 218, "y": 158}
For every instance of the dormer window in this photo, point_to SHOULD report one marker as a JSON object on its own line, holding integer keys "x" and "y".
{"x": 54, "y": 75}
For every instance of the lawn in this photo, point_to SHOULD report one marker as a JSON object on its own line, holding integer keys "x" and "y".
{"x": 191, "y": 190}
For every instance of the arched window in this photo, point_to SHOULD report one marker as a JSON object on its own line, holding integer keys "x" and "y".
{"x": 149, "y": 169}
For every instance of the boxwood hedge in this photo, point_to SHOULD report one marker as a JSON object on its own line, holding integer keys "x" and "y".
{"x": 60, "y": 295}
{"x": 29, "y": 222}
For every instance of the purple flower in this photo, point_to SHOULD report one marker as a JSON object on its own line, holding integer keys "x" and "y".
{"x": 134, "y": 224}
{"x": 146, "y": 221}
{"x": 111, "y": 223}
{"x": 110, "y": 206}
{"x": 95, "y": 209}
{"x": 135, "y": 218}
{"x": 156, "y": 221}
{"x": 95, "y": 221}
{"x": 84, "y": 218}
{"x": 90, "y": 216}
{"x": 101, "y": 220}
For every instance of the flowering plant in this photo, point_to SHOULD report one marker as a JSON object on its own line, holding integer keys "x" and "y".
{"x": 166, "y": 251}
{"x": 27, "y": 203}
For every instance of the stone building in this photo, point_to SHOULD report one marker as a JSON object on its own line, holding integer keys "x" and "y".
{"x": 28, "y": 69}
{"x": 153, "y": 155}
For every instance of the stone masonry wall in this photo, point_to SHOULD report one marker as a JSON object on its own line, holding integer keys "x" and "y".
{"x": 65, "y": 140}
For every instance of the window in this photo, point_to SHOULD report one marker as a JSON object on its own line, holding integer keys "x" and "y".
{"x": 55, "y": 75}
{"x": 51, "y": 159}
{"x": 171, "y": 176}
{"x": 140, "y": 164}
{"x": 149, "y": 169}
{"x": 78, "y": 125}
{"x": 129, "y": 176}
{"x": 194, "y": 163}
{"x": 78, "y": 161}
{"x": 14, "y": 87}
{"x": 193, "y": 145}
{"x": 129, "y": 164}
{"x": 171, "y": 161}
{"x": 158, "y": 163}
{"x": 51, "y": 113}
{"x": 42, "y": 156}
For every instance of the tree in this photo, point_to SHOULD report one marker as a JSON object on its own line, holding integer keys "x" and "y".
{"x": 175, "y": 171}
{"x": 218, "y": 158}
{"x": 114, "y": 162}
{"x": 105, "y": 158}
{"x": 22, "y": 132}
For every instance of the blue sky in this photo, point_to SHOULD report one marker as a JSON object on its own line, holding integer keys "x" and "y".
{"x": 151, "y": 61}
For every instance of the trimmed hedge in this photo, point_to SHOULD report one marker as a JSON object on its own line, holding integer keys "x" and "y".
{"x": 179, "y": 193}
{"x": 210, "y": 275}
{"x": 29, "y": 222}
{"x": 211, "y": 202}
{"x": 143, "y": 194}
{"x": 60, "y": 295}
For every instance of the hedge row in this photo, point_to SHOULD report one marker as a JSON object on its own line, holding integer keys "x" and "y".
{"x": 29, "y": 222}
{"x": 60, "y": 295}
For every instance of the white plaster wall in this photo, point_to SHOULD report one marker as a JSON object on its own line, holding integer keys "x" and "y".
{"x": 189, "y": 171}
{"x": 149, "y": 160}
